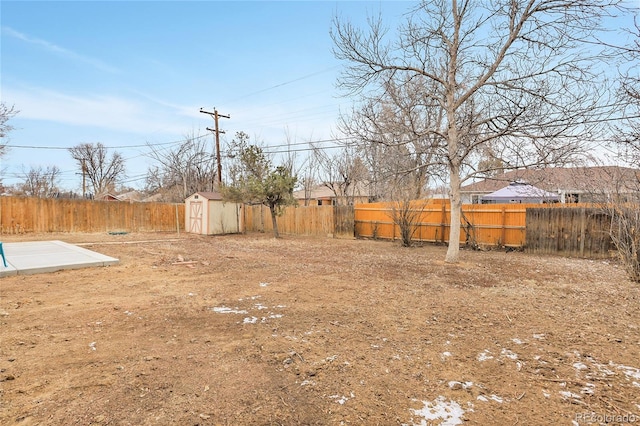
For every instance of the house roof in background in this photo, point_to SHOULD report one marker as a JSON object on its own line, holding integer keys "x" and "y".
{"x": 520, "y": 191}
{"x": 554, "y": 179}
{"x": 322, "y": 191}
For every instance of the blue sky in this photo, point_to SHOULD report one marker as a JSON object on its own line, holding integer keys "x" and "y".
{"x": 128, "y": 73}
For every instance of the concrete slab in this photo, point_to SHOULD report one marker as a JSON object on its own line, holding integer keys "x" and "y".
{"x": 35, "y": 257}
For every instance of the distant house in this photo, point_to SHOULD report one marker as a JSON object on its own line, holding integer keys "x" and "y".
{"x": 323, "y": 195}
{"x": 570, "y": 184}
{"x": 518, "y": 192}
{"x": 108, "y": 197}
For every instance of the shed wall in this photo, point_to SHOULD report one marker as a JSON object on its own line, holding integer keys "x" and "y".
{"x": 224, "y": 218}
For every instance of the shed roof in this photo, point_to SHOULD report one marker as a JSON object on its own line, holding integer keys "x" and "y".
{"x": 210, "y": 195}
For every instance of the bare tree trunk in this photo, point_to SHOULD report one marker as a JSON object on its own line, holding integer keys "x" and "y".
{"x": 453, "y": 250}
{"x": 274, "y": 222}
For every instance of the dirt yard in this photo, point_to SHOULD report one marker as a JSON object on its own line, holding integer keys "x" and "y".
{"x": 248, "y": 330}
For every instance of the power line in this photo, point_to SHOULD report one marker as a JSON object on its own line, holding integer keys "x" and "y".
{"x": 107, "y": 147}
{"x": 304, "y": 77}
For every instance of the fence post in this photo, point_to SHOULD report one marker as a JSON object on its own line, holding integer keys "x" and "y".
{"x": 177, "y": 220}
{"x": 504, "y": 225}
{"x": 583, "y": 220}
{"x": 442, "y": 219}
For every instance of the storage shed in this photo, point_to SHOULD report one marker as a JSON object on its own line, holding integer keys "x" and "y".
{"x": 207, "y": 213}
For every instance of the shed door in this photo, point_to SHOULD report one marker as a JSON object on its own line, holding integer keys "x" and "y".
{"x": 195, "y": 216}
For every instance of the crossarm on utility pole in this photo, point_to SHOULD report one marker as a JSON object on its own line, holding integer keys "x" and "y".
{"x": 217, "y": 132}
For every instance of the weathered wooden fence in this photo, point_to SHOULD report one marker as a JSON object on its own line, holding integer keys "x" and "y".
{"x": 22, "y": 215}
{"x": 571, "y": 230}
{"x": 580, "y": 232}
{"x": 487, "y": 224}
{"x": 302, "y": 220}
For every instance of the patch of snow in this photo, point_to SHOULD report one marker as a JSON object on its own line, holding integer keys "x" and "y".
{"x": 517, "y": 341}
{"x": 567, "y": 395}
{"x": 589, "y": 389}
{"x": 445, "y": 355}
{"x": 482, "y": 398}
{"x": 342, "y": 399}
{"x": 508, "y": 354}
{"x": 460, "y": 385}
{"x": 606, "y": 370}
{"x": 496, "y": 398}
{"x": 260, "y": 306}
{"x": 307, "y": 383}
{"x": 92, "y": 345}
{"x": 225, "y": 310}
{"x": 546, "y": 394}
{"x": 539, "y": 336}
{"x": 250, "y": 320}
{"x": 264, "y": 284}
{"x": 449, "y": 412}
{"x": 630, "y": 372}
{"x": 579, "y": 366}
{"x": 484, "y": 356}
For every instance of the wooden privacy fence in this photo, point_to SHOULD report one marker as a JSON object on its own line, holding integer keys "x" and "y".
{"x": 483, "y": 224}
{"x": 302, "y": 220}
{"x": 582, "y": 232}
{"x": 21, "y": 215}
{"x": 571, "y": 230}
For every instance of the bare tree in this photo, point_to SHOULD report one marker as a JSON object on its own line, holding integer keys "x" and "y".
{"x": 308, "y": 173}
{"x": 392, "y": 133}
{"x": 621, "y": 204}
{"x": 515, "y": 75}
{"x": 341, "y": 172}
{"x": 6, "y": 113}
{"x": 102, "y": 170}
{"x": 40, "y": 182}
{"x": 627, "y": 130}
{"x": 181, "y": 171}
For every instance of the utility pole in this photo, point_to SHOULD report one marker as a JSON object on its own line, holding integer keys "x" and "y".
{"x": 84, "y": 178}
{"x": 217, "y": 132}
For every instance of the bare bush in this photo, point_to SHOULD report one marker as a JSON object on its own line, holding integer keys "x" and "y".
{"x": 625, "y": 233}
{"x": 406, "y": 215}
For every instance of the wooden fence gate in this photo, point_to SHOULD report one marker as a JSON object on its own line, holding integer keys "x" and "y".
{"x": 343, "y": 218}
